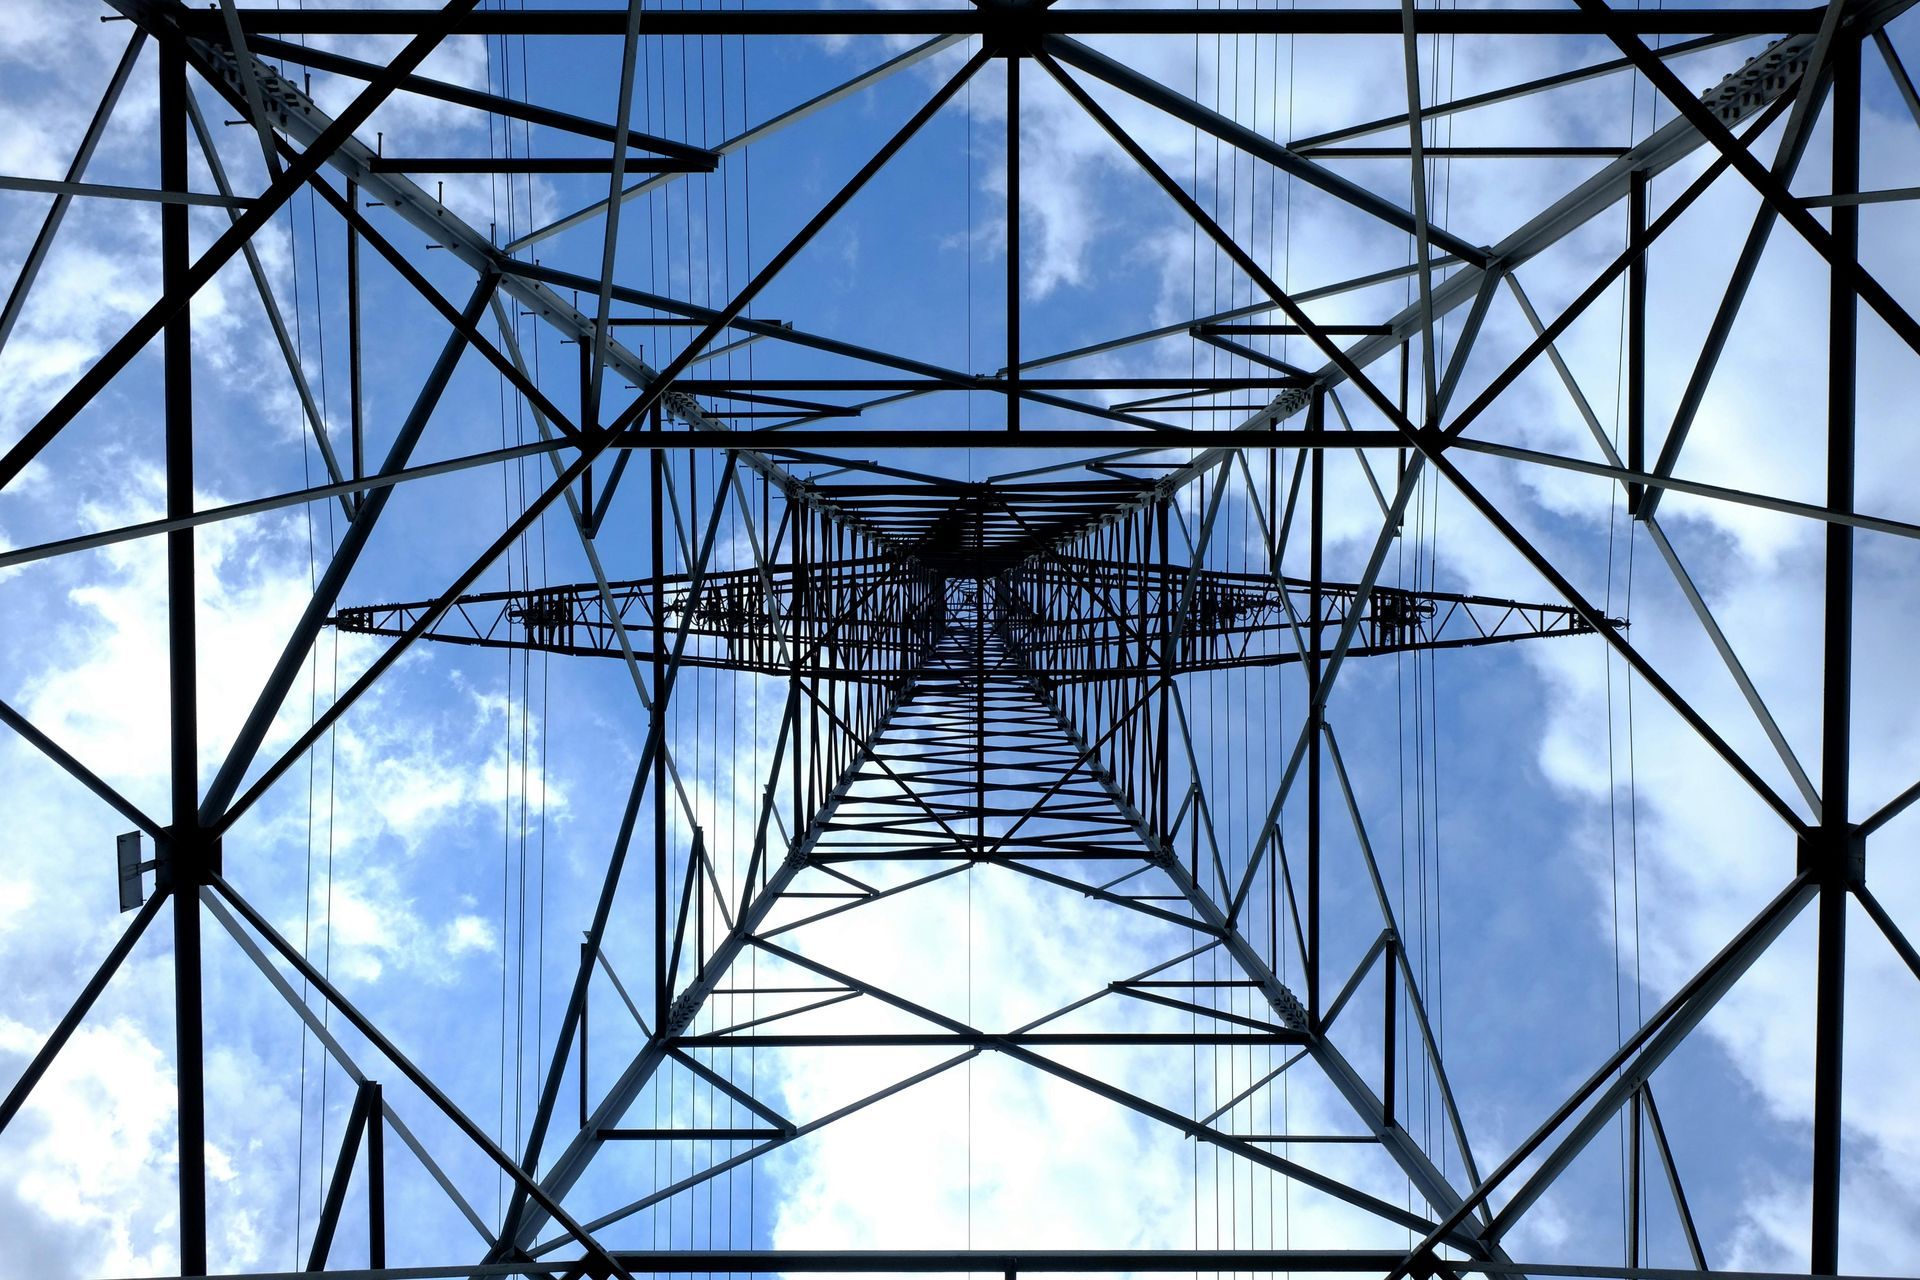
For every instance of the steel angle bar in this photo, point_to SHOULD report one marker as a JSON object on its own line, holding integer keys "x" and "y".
{"x": 1895, "y": 68}
{"x": 792, "y": 21}
{"x": 1840, "y": 200}
{"x": 419, "y": 1079}
{"x": 106, "y": 191}
{"x": 620, "y": 989}
{"x": 463, "y": 322}
{"x": 214, "y": 812}
{"x": 1674, "y": 1185}
{"x": 1415, "y": 1002}
{"x": 274, "y": 502}
{"x": 1354, "y": 979}
{"x": 1558, "y": 79}
{"x": 1705, "y": 615}
{"x": 256, "y": 106}
{"x": 1762, "y": 179}
{"x": 1185, "y": 109}
{"x": 1888, "y": 812}
{"x": 323, "y": 1032}
{"x": 740, "y": 1158}
{"x": 655, "y": 392}
{"x": 1421, "y": 228}
{"x": 288, "y": 351}
{"x": 1660, "y": 685}
{"x": 87, "y": 778}
{"x": 746, "y": 138}
{"x": 1012, "y": 1047}
{"x": 655, "y": 757}
{"x": 623, "y": 114}
{"x": 1105, "y": 895}
{"x": 336, "y": 1194}
{"x": 1322, "y": 690}
{"x": 1424, "y": 1174}
{"x": 1793, "y": 143}
{"x": 1253, "y": 1088}
{"x": 76, "y": 1012}
{"x": 572, "y": 1162}
{"x": 76, "y": 170}
{"x": 1621, "y": 474}
{"x": 492, "y": 103}
{"x": 432, "y": 29}
{"x": 1683, "y": 1010}
{"x": 1106, "y": 991}
{"x": 1621, "y": 264}
{"x": 889, "y": 892}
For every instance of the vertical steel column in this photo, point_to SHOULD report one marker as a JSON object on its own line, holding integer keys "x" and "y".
{"x": 357, "y": 419}
{"x": 376, "y": 1177}
{"x": 1833, "y": 845}
{"x": 980, "y": 713}
{"x": 1636, "y": 334}
{"x": 1013, "y": 240}
{"x": 1634, "y": 1177}
{"x": 802, "y": 640}
{"x": 662, "y": 980}
{"x": 181, "y": 869}
{"x": 1163, "y": 820}
{"x": 1316, "y": 608}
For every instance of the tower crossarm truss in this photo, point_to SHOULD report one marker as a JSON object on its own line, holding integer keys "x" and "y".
{"x": 1078, "y": 618}
{"x": 859, "y": 617}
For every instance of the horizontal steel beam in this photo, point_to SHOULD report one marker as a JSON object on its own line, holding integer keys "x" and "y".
{"x": 1007, "y": 19}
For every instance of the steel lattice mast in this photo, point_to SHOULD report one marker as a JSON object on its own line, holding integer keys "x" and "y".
{"x": 974, "y": 673}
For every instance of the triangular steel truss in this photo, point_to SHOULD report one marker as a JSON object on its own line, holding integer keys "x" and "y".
{"x": 973, "y": 673}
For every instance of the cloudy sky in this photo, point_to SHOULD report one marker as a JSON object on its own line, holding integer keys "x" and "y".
{"x": 1561, "y": 849}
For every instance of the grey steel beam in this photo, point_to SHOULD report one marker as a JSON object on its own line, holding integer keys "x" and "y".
{"x": 108, "y": 191}
{"x": 1761, "y": 178}
{"x": 610, "y": 237}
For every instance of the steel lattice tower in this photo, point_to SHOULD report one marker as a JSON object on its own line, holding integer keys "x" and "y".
{"x": 960, "y": 667}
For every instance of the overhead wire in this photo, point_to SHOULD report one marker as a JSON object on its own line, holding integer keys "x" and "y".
{"x": 312, "y": 264}
{"x": 1616, "y": 498}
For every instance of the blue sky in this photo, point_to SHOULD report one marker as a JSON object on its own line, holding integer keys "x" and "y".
{"x": 441, "y": 852}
